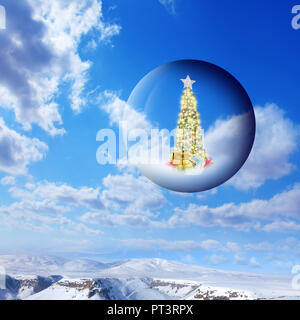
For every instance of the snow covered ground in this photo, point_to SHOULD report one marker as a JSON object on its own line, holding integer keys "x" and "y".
{"x": 43, "y": 278}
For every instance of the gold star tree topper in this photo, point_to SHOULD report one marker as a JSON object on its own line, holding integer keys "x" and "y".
{"x": 188, "y": 82}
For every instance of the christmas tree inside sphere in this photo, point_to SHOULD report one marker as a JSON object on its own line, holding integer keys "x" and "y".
{"x": 189, "y": 152}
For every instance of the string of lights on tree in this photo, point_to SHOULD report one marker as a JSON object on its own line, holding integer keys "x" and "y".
{"x": 189, "y": 151}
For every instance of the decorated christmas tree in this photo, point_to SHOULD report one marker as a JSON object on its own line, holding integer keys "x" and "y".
{"x": 189, "y": 152}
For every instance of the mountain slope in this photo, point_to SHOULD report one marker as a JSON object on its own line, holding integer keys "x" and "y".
{"x": 21, "y": 287}
{"x": 100, "y": 289}
{"x": 134, "y": 279}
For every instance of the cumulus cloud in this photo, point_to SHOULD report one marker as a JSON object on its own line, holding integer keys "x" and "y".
{"x": 136, "y": 195}
{"x": 60, "y": 193}
{"x": 8, "y": 180}
{"x": 41, "y": 216}
{"x": 244, "y": 216}
{"x": 39, "y": 52}
{"x": 130, "y": 195}
{"x": 18, "y": 151}
{"x": 42, "y": 207}
{"x": 119, "y": 110}
{"x": 276, "y": 139}
{"x": 223, "y": 216}
{"x": 282, "y": 226}
{"x": 24, "y": 207}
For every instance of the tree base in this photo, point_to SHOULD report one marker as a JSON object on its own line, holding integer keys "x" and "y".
{"x": 184, "y": 160}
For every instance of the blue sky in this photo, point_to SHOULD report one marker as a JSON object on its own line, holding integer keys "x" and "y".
{"x": 67, "y": 69}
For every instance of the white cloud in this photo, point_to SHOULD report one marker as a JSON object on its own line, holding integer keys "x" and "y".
{"x": 69, "y": 226}
{"x": 165, "y": 245}
{"x": 225, "y": 139}
{"x": 24, "y": 207}
{"x": 243, "y": 260}
{"x": 136, "y": 195}
{"x": 233, "y": 246}
{"x": 215, "y": 259}
{"x": 276, "y": 139}
{"x": 254, "y": 263}
{"x": 39, "y": 52}
{"x": 205, "y": 194}
{"x": 42, "y": 216}
{"x": 105, "y": 218}
{"x": 243, "y": 216}
{"x": 60, "y": 193}
{"x": 8, "y": 180}
{"x": 42, "y": 207}
{"x": 18, "y": 151}
{"x": 227, "y": 215}
{"x": 210, "y": 244}
{"x": 272, "y": 251}
{"x": 130, "y": 195}
{"x": 169, "y": 5}
{"x": 282, "y": 226}
{"x": 289, "y": 244}
{"x": 260, "y": 246}
{"x": 119, "y": 110}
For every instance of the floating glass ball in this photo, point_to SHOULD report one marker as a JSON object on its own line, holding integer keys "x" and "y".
{"x": 225, "y": 113}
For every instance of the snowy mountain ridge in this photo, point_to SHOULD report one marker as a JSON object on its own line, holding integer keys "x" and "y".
{"x": 32, "y": 277}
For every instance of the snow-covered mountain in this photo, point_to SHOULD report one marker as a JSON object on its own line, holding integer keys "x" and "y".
{"x": 22, "y": 287}
{"x": 45, "y": 265}
{"x": 43, "y": 278}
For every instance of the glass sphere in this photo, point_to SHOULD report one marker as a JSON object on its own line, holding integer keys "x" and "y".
{"x": 215, "y": 104}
